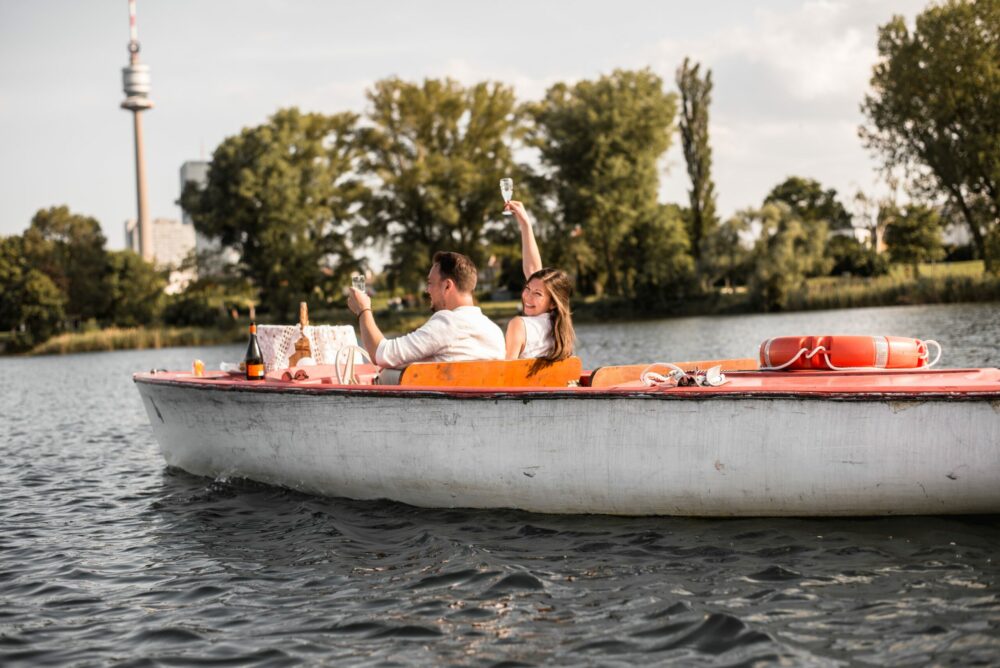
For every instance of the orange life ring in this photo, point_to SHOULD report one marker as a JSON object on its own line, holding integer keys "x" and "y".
{"x": 838, "y": 352}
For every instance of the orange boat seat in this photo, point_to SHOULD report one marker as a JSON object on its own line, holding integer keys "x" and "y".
{"x": 493, "y": 373}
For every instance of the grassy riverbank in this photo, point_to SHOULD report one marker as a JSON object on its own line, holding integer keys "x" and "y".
{"x": 949, "y": 283}
{"x": 936, "y": 284}
{"x": 136, "y": 338}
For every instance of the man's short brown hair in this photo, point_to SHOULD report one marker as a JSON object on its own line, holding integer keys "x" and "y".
{"x": 459, "y": 268}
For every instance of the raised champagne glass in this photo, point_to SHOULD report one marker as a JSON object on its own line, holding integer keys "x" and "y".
{"x": 507, "y": 191}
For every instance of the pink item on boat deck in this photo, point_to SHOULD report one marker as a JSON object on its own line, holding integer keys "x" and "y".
{"x": 294, "y": 373}
{"x": 323, "y": 374}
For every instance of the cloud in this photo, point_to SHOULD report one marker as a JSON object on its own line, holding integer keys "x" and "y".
{"x": 788, "y": 85}
{"x": 814, "y": 50}
{"x": 525, "y": 86}
{"x": 790, "y": 63}
{"x": 336, "y": 95}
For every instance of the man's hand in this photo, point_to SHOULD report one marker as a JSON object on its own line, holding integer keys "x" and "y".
{"x": 358, "y": 301}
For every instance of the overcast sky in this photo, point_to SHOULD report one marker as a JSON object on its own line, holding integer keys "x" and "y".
{"x": 789, "y": 77}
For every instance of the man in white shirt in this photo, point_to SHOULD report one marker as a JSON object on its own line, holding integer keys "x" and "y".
{"x": 458, "y": 330}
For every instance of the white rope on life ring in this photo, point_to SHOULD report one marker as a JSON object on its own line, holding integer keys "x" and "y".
{"x": 820, "y": 350}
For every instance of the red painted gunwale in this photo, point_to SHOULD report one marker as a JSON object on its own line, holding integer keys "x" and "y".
{"x": 931, "y": 383}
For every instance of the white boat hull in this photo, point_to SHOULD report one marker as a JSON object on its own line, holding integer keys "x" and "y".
{"x": 613, "y": 454}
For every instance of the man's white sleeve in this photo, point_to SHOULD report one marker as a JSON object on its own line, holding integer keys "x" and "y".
{"x": 415, "y": 346}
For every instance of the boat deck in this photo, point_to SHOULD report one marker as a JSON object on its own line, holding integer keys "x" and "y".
{"x": 919, "y": 384}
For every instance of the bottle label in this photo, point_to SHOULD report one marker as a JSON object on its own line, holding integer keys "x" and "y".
{"x": 255, "y": 370}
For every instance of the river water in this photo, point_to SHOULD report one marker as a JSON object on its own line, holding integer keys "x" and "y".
{"x": 109, "y": 558}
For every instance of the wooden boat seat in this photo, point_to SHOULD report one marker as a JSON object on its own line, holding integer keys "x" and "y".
{"x": 609, "y": 376}
{"x": 493, "y": 373}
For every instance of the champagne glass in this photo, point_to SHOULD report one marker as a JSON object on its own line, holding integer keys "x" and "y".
{"x": 507, "y": 191}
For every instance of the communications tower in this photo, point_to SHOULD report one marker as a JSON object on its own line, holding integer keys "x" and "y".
{"x": 136, "y": 83}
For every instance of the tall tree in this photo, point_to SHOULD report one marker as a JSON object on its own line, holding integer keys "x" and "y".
{"x": 69, "y": 249}
{"x": 658, "y": 267}
{"x": 135, "y": 289}
{"x": 727, "y": 253}
{"x": 437, "y": 151}
{"x": 29, "y": 299}
{"x": 913, "y": 235}
{"x": 696, "y": 95}
{"x": 850, "y": 256}
{"x": 811, "y": 203}
{"x": 934, "y": 110}
{"x": 865, "y": 211}
{"x": 600, "y": 142}
{"x": 283, "y": 194}
{"x": 786, "y": 252}
{"x": 819, "y": 211}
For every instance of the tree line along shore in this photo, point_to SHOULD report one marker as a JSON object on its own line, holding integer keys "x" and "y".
{"x": 941, "y": 283}
{"x": 304, "y": 200}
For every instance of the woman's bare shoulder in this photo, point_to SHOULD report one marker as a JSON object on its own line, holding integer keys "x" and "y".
{"x": 516, "y": 324}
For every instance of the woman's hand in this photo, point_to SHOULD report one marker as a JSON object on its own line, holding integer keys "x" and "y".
{"x": 519, "y": 211}
{"x": 358, "y": 301}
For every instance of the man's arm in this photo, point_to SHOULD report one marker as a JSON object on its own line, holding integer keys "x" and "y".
{"x": 391, "y": 353}
{"x": 371, "y": 336}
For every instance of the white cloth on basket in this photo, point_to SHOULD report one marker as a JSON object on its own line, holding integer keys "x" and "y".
{"x": 277, "y": 343}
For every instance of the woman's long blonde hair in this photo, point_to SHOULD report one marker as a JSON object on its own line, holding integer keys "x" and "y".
{"x": 560, "y": 290}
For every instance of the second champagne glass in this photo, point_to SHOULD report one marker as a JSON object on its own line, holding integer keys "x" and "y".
{"x": 507, "y": 191}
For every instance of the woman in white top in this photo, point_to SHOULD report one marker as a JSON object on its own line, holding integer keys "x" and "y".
{"x": 545, "y": 330}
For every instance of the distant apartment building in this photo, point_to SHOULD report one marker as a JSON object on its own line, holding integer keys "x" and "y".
{"x": 172, "y": 241}
{"x": 862, "y": 235}
{"x": 196, "y": 171}
{"x": 957, "y": 234}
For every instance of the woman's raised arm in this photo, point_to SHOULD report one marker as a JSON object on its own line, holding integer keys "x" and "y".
{"x": 531, "y": 259}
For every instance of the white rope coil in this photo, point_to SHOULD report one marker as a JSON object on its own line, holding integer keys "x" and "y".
{"x": 650, "y": 378}
{"x": 678, "y": 376}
